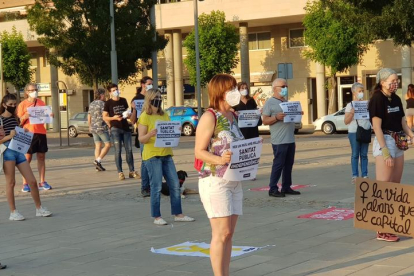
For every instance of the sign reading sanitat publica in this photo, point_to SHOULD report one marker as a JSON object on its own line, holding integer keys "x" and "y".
{"x": 384, "y": 206}
{"x": 168, "y": 134}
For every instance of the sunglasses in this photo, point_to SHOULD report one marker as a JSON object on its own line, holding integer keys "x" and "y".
{"x": 283, "y": 86}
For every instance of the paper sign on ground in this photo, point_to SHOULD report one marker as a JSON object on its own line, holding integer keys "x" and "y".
{"x": 168, "y": 134}
{"x": 138, "y": 106}
{"x": 331, "y": 213}
{"x": 384, "y": 206}
{"x": 248, "y": 118}
{"x": 244, "y": 160}
{"x": 195, "y": 249}
{"x": 39, "y": 115}
{"x": 21, "y": 141}
{"x": 360, "y": 110}
{"x": 293, "y": 112}
{"x": 267, "y": 188}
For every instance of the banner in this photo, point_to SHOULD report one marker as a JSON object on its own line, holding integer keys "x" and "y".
{"x": 384, "y": 206}
{"x": 168, "y": 134}
{"x": 138, "y": 106}
{"x": 361, "y": 110}
{"x": 248, "y": 118}
{"x": 39, "y": 115}
{"x": 244, "y": 160}
{"x": 21, "y": 141}
{"x": 293, "y": 112}
{"x": 200, "y": 249}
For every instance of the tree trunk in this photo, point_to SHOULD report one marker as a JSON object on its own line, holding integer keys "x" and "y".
{"x": 332, "y": 106}
{"x": 95, "y": 84}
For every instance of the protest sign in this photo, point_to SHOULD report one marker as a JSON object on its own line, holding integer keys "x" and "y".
{"x": 244, "y": 160}
{"x": 138, "y": 106}
{"x": 293, "y": 112}
{"x": 168, "y": 134}
{"x": 21, "y": 141}
{"x": 248, "y": 118}
{"x": 39, "y": 115}
{"x": 384, "y": 206}
{"x": 361, "y": 110}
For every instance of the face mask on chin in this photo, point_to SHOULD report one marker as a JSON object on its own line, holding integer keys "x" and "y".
{"x": 233, "y": 97}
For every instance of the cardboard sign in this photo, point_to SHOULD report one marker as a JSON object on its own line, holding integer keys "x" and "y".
{"x": 244, "y": 160}
{"x": 360, "y": 110}
{"x": 331, "y": 213}
{"x": 293, "y": 112}
{"x": 248, "y": 118}
{"x": 168, "y": 134}
{"x": 138, "y": 106}
{"x": 21, "y": 141}
{"x": 39, "y": 115}
{"x": 384, "y": 206}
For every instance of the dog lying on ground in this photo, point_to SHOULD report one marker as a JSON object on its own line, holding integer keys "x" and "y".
{"x": 165, "y": 190}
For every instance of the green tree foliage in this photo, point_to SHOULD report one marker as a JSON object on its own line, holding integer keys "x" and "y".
{"x": 218, "y": 42}
{"x": 334, "y": 41}
{"x": 16, "y": 59}
{"x": 79, "y": 31}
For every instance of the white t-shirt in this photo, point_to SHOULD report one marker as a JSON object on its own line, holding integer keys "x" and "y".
{"x": 352, "y": 127}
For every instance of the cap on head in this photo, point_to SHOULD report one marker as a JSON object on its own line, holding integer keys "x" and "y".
{"x": 384, "y": 73}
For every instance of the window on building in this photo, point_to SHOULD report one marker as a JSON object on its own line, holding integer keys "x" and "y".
{"x": 259, "y": 41}
{"x": 296, "y": 38}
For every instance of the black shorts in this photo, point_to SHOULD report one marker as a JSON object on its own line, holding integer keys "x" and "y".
{"x": 39, "y": 144}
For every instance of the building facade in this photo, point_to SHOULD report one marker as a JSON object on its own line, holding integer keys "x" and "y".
{"x": 271, "y": 45}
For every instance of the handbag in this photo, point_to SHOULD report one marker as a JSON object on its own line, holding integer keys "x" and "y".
{"x": 400, "y": 138}
{"x": 363, "y": 135}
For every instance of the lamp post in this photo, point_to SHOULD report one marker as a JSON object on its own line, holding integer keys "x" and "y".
{"x": 197, "y": 50}
{"x": 114, "y": 59}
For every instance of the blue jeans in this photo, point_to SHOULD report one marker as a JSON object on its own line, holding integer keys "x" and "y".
{"x": 359, "y": 150}
{"x": 145, "y": 183}
{"x": 284, "y": 157}
{"x": 120, "y": 137}
{"x": 158, "y": 167}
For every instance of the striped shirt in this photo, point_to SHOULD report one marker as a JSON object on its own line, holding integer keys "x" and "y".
{"x": 9, "y": 124}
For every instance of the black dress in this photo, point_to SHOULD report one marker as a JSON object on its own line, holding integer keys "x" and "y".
{"x": 249, "y": 132}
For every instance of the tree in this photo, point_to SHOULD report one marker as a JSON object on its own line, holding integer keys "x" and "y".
{"x": 16, "y": 59}
{"x": 79, "y": 32}
{"x": 334, "y": 41}
{"x": 218, "y": 42}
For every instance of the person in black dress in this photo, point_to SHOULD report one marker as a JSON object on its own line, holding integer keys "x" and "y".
{"x": 247, "y": 103}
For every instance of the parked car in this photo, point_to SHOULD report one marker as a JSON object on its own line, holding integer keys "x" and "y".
{"x": 331, "y": 123}
{"x": 264, "y": 128}
{"x": 78, "y": 124}
{"x": 188, "y": 117}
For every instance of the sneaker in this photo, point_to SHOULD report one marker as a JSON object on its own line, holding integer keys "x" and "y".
{"x": 121, "y": 176}
{"x": 98, "y": 166}
{"x": 145, "y": 193}
{"x": 43, "y": 212}
{"x": 353, "y": 180}
{"x": 183, "y": 219}
{"x": 16, "y": 216}
{"x": 134, "y": 175}
{"x": 387, "y": 237}
{"x": 26, "y": 188}
{"x": 160, "y": 221}
{"x": 44, "y": 186}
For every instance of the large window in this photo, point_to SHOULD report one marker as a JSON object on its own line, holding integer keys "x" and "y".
{"x": 296, "y": 38}
{"x": 259, "y": 41}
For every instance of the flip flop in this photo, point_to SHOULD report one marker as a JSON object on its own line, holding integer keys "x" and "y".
{"x": 3, "y": 266}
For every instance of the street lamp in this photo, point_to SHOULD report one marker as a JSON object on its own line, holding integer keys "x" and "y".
{"x": 114, "y": 59}
{"x": 197, "y": 50}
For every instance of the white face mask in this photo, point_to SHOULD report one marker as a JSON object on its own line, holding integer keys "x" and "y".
{"x": 115, "y": 94}
{"x": 360, "y": 95}
{"x": 149, "y": 86}
{"x": 33, "y": 95}
{"x": 233, "y": 97}
{"x": 244, "y": 92}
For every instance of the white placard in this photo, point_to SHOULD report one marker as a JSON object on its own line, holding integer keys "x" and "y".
{"x": 244, "y": 160}
{"x": 361, "y": 110}
{"x": 248, "y": 118}
{"x": 293, "y": 112}
{"x": 21, "y": 141}
{"x": 168, "y": 134}
{"x": 39, "y": 115}
{"x": 138, "y": 106}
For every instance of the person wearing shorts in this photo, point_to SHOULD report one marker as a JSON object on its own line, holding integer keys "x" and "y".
{"x": 222, "y": 199}
{"x": 387, "y": 117}
{"x": 99, "y": 128}
{"x": 39, "y": 141}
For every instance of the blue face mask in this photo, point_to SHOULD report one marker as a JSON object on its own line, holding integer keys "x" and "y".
{"x": 284, "y": 92}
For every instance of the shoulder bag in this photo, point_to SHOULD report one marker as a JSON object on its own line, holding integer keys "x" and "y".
{"x": 362, "y": 135}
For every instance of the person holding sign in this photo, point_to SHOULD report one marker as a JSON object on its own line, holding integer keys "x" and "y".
{"x": 359, "y": 149}
{"x": 283, "y": 140}
{"x": 12, "y": 159}
{"x": 390, "y": 127}
{"x": 158, "y": 161}
{"x": 248, "y": 103}
{"x": 222, "y": 199}
{"x": 39, "y": 141}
